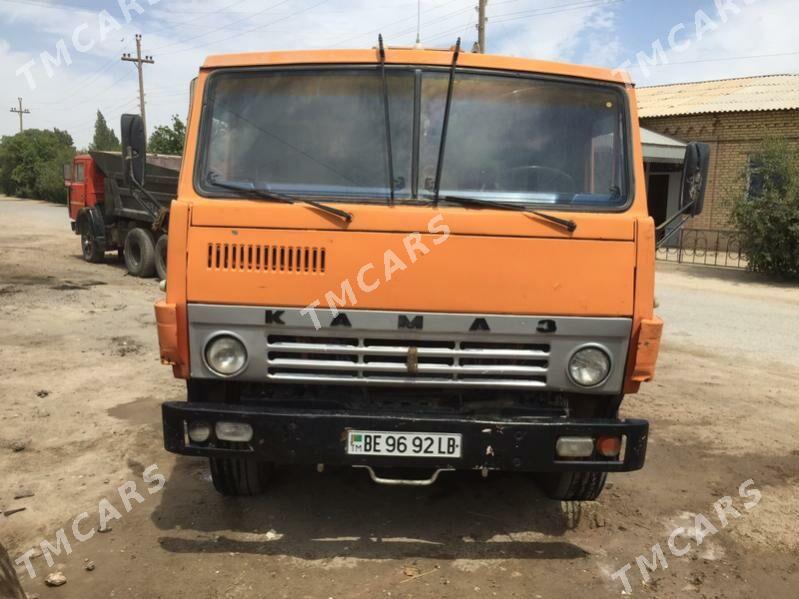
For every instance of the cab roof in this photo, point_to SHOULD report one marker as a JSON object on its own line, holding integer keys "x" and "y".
{"x": 413, "y": 56}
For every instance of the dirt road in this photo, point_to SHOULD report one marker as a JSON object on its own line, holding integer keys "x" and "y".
{"x": 80, "y": 392}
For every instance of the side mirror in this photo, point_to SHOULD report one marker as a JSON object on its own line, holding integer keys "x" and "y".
{"x": 694, "y": 178}
{"x": 67, "y": 174}
{"x": 134, "y": 148}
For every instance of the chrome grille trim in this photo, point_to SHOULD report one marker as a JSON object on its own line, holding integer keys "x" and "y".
{"x": 433, "y": 382}
{"x": 379, "y": 348}
{"x": 403, "y": 350}
{"x": 359, "y": 362}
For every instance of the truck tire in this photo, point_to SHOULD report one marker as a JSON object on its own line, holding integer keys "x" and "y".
{"x": 573, "y": 486}
{"x": 239, "y": 477}
{"x": 93, "y": 249}
{"x": 140, "y": 253}
{"x": 160, "y": 257}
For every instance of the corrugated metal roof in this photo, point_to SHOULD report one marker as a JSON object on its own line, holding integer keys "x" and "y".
{"x": 653, "y": 138}
{"x": 661, "y": 148}
{"x": 748, "y": 94}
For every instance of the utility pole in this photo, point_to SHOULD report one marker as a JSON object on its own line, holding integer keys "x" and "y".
{"x": 139, "y": 62}
{"x": 481, "y": 26}
{"x": 20, "y": 111}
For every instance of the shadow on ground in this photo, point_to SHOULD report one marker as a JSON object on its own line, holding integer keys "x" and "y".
{"x": 341, "y": 513}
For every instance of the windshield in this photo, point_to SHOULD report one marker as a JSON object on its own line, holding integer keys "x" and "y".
{"x": 322, "y": 132}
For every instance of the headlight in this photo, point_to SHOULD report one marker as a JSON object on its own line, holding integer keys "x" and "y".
{"x": 225, "y": 355}
{"x": 589, "y": 366}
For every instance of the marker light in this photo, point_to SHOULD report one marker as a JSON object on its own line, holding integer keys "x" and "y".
{"x": 234, "y": 431}
{"x": 609, "y": 447}
{"x": 574, "y": 447}
{"x": 199, "y": 432}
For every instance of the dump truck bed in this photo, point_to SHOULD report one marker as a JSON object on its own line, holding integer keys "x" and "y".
{"x": 161, "y": 181}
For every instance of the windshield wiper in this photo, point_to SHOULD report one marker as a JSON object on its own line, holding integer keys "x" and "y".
{"x": 382, "y": 52}
{"x": 266, "y": 194}
{"x": 445, "y": 124}
{"x": 568, "y": 224}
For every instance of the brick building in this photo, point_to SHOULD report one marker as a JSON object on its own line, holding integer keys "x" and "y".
{"x": 733, "y": 116}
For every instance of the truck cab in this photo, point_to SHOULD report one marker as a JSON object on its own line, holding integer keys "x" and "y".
{"x": 410, "y": 260}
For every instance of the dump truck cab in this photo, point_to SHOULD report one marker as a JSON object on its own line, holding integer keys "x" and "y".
{"x": 411, "y": 259}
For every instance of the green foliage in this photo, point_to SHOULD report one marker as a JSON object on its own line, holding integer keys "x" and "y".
{"x": 168, "y": 140}
{"x": 767, "y": 218}
{"x": 104, "y": 136}
{"x": 31, "y": 164}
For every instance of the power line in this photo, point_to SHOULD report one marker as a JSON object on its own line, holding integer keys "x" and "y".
{"x": 50, "y": 5}
{"x": 226, "y": 26}
{"x": 246, "y": 31}
{"x": 448, "y": 33}
{"x": 81, "y": 87}
{"x": 83, "y": 124}
{"x": 388, "y": 26}
{"x": 721, "y": 59}
{"x": 551, "y": 10}
{"x": 203, "y": 14}
{"x": 83, "y": 81}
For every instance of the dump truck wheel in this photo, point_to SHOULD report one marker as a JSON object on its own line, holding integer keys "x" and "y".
{"x": 93, "y": 249}
{"x": 160, "y": 257}
{"x": 238, "y": 477}
{"x": 573, "y": 486}
{"x": 140, "y": 253}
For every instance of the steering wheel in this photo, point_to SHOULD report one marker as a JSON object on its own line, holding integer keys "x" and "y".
{"x": 546, "y": 179}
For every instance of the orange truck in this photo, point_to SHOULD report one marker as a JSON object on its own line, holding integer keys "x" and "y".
{"x": 411, "y": 261}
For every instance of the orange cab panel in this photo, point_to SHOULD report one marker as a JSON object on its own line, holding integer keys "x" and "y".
{"x": 422, "y": 272}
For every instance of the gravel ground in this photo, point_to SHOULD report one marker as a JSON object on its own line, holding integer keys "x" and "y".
{"x": 79, "y": 416}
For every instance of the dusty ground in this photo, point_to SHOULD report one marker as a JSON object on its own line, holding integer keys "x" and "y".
{"x": 79, "y": 399}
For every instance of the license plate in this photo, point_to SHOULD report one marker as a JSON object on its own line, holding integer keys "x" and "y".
{"x": 418, "y": 445}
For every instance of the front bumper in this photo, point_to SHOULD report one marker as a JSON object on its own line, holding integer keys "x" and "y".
{"x": 313, "y": 436}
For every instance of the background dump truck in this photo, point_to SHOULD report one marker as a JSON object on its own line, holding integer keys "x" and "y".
{"x": 111, "y": 216}
{"x": 411, "y": 262}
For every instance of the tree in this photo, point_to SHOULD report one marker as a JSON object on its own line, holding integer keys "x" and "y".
{"x": 168, "y": 140}
{"x": 767, "y": 213}
{"x": 31, "y": 164}
{"x": 104, "y": 136}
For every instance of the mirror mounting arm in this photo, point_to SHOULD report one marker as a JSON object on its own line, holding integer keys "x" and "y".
{"x": 670, "y": 234}
{"x": 674, "y": 217}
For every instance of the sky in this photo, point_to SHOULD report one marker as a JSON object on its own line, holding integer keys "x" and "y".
{"x": 63, "y": 56}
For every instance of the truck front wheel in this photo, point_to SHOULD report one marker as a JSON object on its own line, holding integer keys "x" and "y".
{"x": 573, "y": 486}
{"x": 160, "y": 257}
{"x": 239, "y": 477}
{"x": 140, "y": 253}
{"x": 93, "y": 249}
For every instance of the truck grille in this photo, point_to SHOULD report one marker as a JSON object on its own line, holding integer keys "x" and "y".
{"x": 266, "y": 258}
{"x": 391, "y": 361}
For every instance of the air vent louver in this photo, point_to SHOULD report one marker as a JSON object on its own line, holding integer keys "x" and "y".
{"x": 247, "y": 257}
